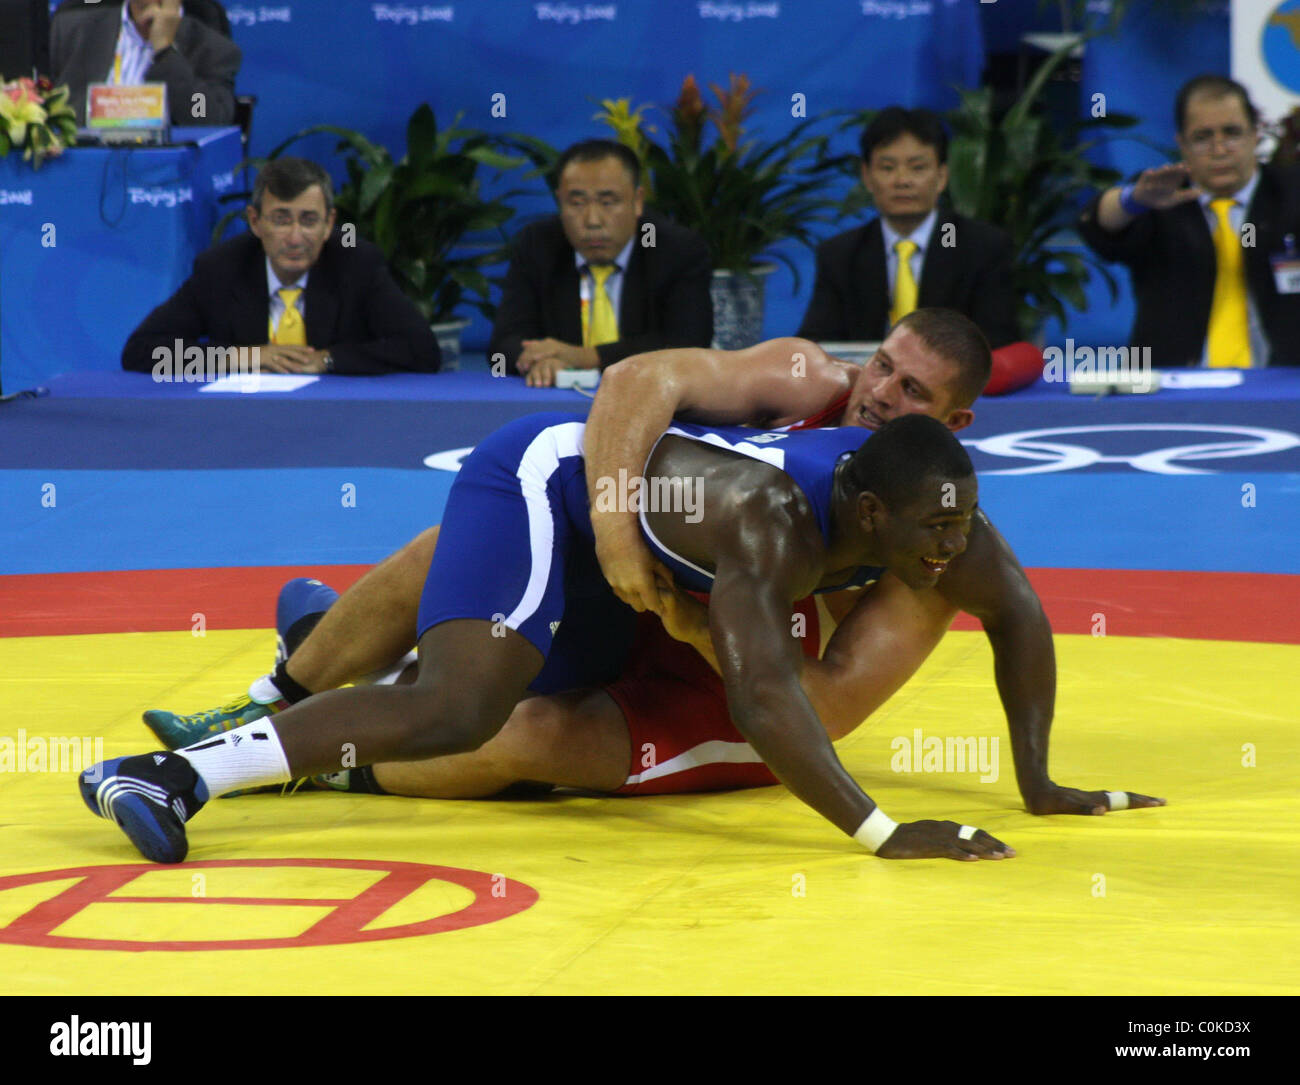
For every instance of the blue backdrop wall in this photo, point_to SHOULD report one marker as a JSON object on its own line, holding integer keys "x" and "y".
{"x": 367, "y": 65}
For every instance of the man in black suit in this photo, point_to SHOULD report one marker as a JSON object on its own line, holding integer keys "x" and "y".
{"x": 146, "y": 41}
{"x": 306, "y": 300}
{"x": 1206, "y": 296}
{"x": 600, "y": 280}
{"x": 915, "y": 254}
{"x": 24, "y": 38}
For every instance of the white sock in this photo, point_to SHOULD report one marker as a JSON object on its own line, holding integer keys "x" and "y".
{"x": 265, "y": 691}
{"x": 248, "y": 756}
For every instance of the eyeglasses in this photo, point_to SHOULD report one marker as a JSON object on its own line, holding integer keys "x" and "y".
{"x": 283, "y": 220}
{"x": 1232, "y": 136}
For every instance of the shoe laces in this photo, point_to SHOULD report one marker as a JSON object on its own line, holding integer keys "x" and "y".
{"x": 215, "y": 716}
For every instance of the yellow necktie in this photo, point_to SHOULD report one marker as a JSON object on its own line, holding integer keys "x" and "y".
{"x": 1229, "y": 337}
{"x": 599, "y": 323}
{"x": 292, "y": 331}
{"x": 904, "y": 282}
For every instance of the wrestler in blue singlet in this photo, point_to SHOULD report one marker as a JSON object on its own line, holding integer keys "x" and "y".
{"x": 517, "y": 549}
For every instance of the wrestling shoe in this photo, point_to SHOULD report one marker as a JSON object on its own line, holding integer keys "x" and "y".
{"x": 150, "y": 798}
{"x": 175, "y": 731}
{"x": 302, "y": 603}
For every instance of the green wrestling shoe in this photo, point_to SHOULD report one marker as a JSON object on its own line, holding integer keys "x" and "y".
{"x": 175, "y": 731}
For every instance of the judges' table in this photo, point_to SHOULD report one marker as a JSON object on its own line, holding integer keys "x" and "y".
{"x": 95, "y": 239}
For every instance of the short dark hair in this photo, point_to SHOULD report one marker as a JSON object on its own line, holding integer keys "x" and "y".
{"x": 1214, "y": 86}
{"x": 901, "y": 455}
{"x": 894, "y": 121}
{"x": 594, "y": 150}
{"x": 958, "y": 339}
{"x": 288, "y": 178}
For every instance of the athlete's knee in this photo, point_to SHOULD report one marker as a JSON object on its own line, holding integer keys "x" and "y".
{"x": 526, "y": 736}
{"x": 446, "y": 722}
{"x": 419, "y": 551}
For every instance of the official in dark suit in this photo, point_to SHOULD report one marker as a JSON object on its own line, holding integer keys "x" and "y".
{"x": 601, "y": 280}
{"x": 146, "y": 41}
{"x": 1206, "y": 295}
{"x": 309, "y": 303}
{"x": 915, "y": 253}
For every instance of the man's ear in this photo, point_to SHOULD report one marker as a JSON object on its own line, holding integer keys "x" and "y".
{"x": 959, "y": 419}
{"x": 870, "y": 510}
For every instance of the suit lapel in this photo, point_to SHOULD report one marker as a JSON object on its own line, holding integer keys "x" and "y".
{"x": 565, "y": 296}
{"x": 1200, "y": 244}
{"x": 102, "y": 45}
{"x": 321, "y": 301}
{"x": 939, "y": 267}
{"x": 250, "y": 301}
{"x": 1263, "y": 212}
{"x": 631, "y": 317}
{"x": 871, "y": 270}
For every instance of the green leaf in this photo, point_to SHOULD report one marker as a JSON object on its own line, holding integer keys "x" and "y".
{"x": 421, "y": 135}
{"x": 486, "y": 156}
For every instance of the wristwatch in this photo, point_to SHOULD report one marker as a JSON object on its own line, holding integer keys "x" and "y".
{"x": 328, "y": 360}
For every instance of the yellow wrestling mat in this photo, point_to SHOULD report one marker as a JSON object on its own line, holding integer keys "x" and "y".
{"x": 747, "y": 892}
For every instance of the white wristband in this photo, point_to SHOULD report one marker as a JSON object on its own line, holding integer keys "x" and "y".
{"x": 1118, "y": 799}
{"x": 875, "y": 830}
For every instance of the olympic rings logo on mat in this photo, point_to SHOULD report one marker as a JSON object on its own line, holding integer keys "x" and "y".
{"x": 449, "y": 460}
{"x": 1056, "y": 455}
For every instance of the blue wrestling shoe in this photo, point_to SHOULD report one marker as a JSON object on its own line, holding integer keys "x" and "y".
{"x": 301, "y": 605}
{"x": 150, "y": 798}
{"x": 175, "y": 731}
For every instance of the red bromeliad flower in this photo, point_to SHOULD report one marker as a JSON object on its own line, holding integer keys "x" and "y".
{"x": 736, "y": 104}
{"x": 689, "y": 113}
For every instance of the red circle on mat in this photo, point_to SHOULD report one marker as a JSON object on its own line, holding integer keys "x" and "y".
{"x": 495, "y": 897}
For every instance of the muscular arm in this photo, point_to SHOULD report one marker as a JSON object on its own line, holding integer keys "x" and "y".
{"x": 761, "y": 559}
{"x": 638, "y": 398}
{"x": 883, "y": 636}
{"x": 989, "y": 583}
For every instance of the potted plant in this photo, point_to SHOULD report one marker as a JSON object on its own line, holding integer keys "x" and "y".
{"x": 741, "y": 196}
{"x": 419, "y": 211}
{"x": 35, "y": 118}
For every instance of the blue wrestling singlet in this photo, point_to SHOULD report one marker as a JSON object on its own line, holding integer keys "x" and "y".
{"x": 517, "y": 550}
{"x": 809, "y": 457}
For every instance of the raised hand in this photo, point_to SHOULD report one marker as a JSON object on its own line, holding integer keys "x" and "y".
{"x": 1162, "y": 187}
